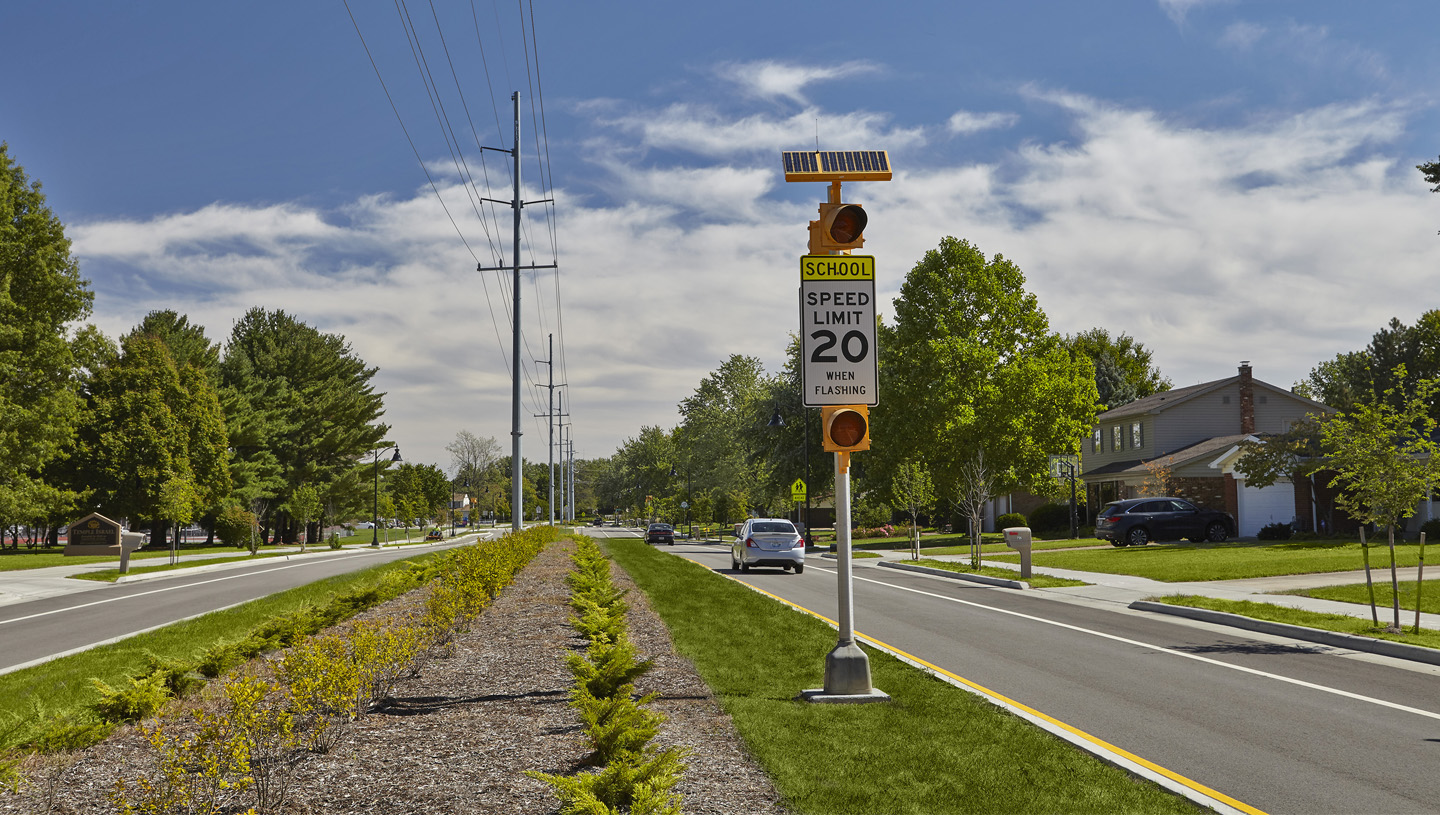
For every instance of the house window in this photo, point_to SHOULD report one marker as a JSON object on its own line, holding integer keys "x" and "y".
{"x": 1117, "y": 439}
{"x": 1095, "y": 441}
{"x": 1224, "y": 400}
{"x": 1137, "y": 435}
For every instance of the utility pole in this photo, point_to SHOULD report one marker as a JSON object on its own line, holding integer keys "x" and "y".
{"x": 517, "y": 493}
{"x": 550, "y": 422}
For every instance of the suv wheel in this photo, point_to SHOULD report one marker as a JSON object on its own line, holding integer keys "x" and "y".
{"x": 1216, "y": 532}
{"x": 1137, "y": 536}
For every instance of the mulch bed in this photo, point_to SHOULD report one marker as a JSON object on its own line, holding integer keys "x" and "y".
{"x": 458, "y": 737}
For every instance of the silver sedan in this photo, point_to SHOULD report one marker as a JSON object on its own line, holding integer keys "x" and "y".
{"x": 768, "y": 542}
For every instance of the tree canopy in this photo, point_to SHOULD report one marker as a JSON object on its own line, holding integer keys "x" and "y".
{"x": 1124, "y": 370}
{"x": 41, "y": 295}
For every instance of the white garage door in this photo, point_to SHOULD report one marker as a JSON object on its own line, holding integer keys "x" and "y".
{"x": 1262, "y": 507}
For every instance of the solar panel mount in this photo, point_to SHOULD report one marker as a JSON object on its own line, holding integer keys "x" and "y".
{"x": 836, "y": 165}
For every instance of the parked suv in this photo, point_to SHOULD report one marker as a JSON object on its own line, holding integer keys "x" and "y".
{"x": 1138, "y": 521}
{"x": 768, "y": 542}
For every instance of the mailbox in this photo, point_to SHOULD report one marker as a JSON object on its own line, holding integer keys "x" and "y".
{"x": 1018, "y": 538}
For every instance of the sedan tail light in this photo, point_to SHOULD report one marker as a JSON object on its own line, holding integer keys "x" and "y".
{"x": 799, "y": 543}
{"x": 750, "y": 542}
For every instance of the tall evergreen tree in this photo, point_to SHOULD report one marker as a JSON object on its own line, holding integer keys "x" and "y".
{"x": 41, "y": 294}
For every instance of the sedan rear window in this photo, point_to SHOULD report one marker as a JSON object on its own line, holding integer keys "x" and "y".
{"x": 774, "y": 527}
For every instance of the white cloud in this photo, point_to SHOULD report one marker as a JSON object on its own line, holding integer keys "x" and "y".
{"x": 1242, "y": 36}
{"x": 705, "y": 131}
{"x": 964, "y": 122}
{"x": 1178, "y": 10}
{"x": 768, "y": 79}
{"x": 1208, "y": 244}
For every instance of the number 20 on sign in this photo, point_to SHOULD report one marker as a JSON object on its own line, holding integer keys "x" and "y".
{"x": 837, "y": 330}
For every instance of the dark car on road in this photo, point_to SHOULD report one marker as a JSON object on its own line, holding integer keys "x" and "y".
{"x": 660, "y": 533}
{"x": 1138, "y": 521}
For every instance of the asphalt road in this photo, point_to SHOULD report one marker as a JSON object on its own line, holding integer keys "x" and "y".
{"x": 42, "y": 629}
{"x": 1283, "y": 726}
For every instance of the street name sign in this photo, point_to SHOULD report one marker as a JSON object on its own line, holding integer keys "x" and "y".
{"x": 837, "y": 330}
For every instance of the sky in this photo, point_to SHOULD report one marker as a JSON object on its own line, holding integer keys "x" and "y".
{"x": 1222, "y": 180}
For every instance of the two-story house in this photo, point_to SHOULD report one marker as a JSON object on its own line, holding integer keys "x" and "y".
{"x": 1187, "y": 437}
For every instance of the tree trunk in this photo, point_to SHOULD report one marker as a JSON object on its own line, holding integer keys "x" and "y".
{"x": 1394, "y": 583}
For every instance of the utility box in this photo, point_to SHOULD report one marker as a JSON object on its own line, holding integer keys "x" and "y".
{"x": 1018, "y": 538}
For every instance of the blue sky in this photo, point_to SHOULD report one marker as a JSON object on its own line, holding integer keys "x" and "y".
{"x": 1224, "y": 181}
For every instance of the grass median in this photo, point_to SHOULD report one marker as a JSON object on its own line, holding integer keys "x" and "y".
{"x": 1342, "y": 623}
{"x": 32, "y": 699}
{"x": 1183, "y": 563}
{"x": 933, "y": 749}
{"x": 1036, "y": 581}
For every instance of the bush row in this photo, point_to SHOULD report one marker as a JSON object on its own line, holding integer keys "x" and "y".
{"x": 634, "y": 775}
{"x": 244, "y": 739}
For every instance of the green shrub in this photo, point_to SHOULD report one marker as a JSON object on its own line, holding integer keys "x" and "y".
{"x": 617, "y": 725}
{"x": 145, "y": 696}
{"x": 235, "y": 526}
{"x": 1431, "y": 528}
{"x": 1010, "y": 519}
{"x": 180, "y": 677}
{"x": 632, "y": 783}
{"x": 1275, "y": 532}
{"x": 1053, "y": 520}
{"x": 70, "y": 734}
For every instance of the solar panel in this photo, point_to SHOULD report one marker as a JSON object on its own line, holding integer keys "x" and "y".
{"x": 836, "y": 165}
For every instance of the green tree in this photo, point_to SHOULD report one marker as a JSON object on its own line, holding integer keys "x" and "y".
{"x": 1431, "y": 171}
{"x": 41, "y": 294}
{"x": 719, "y": 422}
{"x": 304, "y": 506}
{"x": 976, "y": 386}
{"x": 911, "y": 489}
{"x": 309, "y": 410}
{"x": 134, "y": 440}
{"x": 1397, "y": 359}
{"x": 1124, "y": 369}
{"x": 1385, "y": 460}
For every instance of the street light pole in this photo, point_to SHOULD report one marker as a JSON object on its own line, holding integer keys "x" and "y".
{"x": 375, "y": 506}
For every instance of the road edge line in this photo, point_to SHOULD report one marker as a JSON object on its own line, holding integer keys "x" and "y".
{"x": 1110, "y": 754}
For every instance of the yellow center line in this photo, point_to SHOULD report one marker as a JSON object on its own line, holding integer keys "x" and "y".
{"x": 1005, "y": 700}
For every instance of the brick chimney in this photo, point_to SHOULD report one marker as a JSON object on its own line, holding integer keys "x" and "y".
{"x": 1247, "y": 399}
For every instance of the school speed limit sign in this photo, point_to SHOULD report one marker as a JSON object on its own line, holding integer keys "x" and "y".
{"x": 837, "y": 330}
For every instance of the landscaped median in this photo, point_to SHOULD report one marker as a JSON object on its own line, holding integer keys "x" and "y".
{"x": 933, "y": 749}
{"x": 1187, "y": 563}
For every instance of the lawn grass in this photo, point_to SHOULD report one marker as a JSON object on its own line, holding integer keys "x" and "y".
{"x": 20, "y": 559}
{"x": 1036, "y": 581}
{"x": 1185, "y": 562}
{"x": 1357, "y": 593}
{"x": 1343, "y": 623}
{"x": 33, "y": 698}
{"x": 934, "y": 749}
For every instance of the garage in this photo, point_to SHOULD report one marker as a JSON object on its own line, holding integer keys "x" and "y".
{"x": 1259, "y": 508}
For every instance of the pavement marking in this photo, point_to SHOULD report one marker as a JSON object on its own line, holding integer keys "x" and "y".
{"x": 176, "y": 588}
{"x": 1104, "y": 749}
{"x": 1241, "y": 668}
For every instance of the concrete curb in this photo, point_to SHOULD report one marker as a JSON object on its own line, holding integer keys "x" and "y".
{"x": 973, "y": 578}
{"x": 204, "y": 568}
{"x": 1398, "y": 650}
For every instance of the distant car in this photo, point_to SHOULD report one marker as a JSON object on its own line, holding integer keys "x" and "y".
{"x": 768, "y": 542}
{"x": 1137, "y": 521}
{"x": 599, "y": 521}
{"x": 660, "y": 533}
{"x": 365, "y": 525}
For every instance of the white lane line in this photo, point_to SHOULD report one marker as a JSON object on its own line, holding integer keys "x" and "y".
{"x": 176, "y": 588}
{"x": 1241, "y": 668}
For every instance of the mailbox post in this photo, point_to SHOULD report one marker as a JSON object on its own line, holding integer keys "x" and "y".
{"x": 1018, "y": 538}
